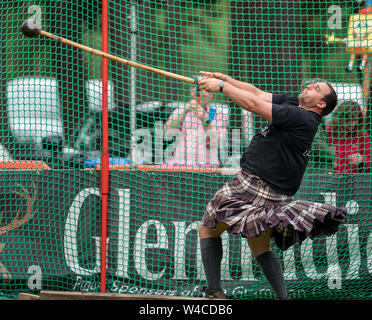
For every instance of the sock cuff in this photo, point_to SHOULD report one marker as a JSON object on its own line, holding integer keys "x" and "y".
{"x": 265, "y": 255}
{"x": 210, "y": 242}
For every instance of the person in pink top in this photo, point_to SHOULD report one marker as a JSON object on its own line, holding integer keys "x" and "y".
{"x": 347, "y": 135}
{"x": 199, "y": 130}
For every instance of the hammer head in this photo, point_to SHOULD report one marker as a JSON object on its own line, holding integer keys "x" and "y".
{"x": 30, "y": 28}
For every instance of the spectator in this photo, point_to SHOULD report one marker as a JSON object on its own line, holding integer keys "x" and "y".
{"x": 198, "y": 129}
{"x": 349, "y": 139}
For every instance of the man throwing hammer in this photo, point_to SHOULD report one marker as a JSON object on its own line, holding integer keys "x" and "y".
{"x": 257, "y": 203}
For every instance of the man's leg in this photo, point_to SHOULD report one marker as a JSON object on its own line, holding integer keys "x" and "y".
{"x": 211, "y": 252}
{"x": 269, "y": 263}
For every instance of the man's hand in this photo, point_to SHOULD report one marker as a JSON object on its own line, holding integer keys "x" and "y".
{"x": 210, "y": 84}
{"x": 216, "y": 75}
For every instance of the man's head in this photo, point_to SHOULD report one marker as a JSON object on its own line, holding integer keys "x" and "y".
{"x": 319, "y": 97}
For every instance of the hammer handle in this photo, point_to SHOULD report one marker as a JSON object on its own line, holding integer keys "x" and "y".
{"x": 115, "y": 58}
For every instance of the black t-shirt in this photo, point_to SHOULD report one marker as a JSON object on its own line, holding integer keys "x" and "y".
{"x": 280, "y": 152}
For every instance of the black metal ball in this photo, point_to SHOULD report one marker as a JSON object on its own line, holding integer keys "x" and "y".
{"x": 30, "y": 28}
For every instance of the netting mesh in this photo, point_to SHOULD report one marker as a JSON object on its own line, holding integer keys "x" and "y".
{"x": 161, "y": 177}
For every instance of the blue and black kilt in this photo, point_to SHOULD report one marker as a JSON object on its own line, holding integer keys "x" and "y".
{"x": 249, "y": 206}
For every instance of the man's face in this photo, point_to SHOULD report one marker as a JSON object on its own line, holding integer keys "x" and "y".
{"x": 313, "y": 94}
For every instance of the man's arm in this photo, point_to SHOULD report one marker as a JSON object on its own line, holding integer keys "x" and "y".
{"x": 263, "y": 95}
{"x": 242, "y": 98}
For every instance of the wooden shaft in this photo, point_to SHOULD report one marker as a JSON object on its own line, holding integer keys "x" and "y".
{"x": 115, "y": 58}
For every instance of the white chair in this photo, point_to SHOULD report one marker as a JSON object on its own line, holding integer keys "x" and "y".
{"x": 34, "y": 108}
{"x": 4, "y": 154}
{"x": 347, "y": 91}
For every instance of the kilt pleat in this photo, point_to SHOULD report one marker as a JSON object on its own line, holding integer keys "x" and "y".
{"x": 249, "y": 206}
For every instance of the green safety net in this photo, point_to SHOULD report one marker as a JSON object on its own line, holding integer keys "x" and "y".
{"x": 161, "y": 178}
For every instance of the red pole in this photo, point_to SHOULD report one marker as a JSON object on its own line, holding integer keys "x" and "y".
{"x": 105, "y": 152}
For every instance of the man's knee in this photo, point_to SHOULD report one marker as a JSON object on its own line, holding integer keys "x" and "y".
{"x": 207, "y": 232}
{"x": 204, "y": 232}
{"x": 260, "y": 244}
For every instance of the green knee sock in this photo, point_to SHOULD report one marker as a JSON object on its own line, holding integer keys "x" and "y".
{"x": 211, "y": 252}
{"x": 272, "y": 269}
